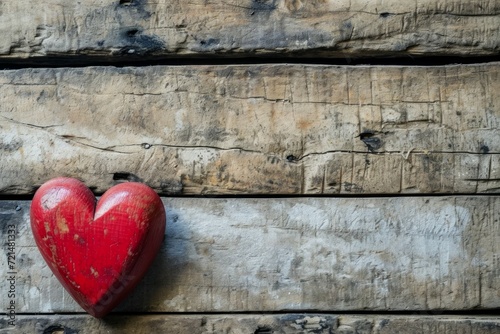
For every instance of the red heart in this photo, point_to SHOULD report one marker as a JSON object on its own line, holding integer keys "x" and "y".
{"x": 98, "y": 256}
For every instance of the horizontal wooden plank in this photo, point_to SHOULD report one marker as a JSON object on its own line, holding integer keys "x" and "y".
{"x": 335, "y": 28}
{"x": 328, "y": 254}
{"x": 262, "y": 129}
{"x": 258, "y": 324}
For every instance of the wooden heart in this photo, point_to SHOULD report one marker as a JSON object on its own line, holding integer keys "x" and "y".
{"x": 98, "y": 253}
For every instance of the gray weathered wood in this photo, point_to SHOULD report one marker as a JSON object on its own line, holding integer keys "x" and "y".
{"x": 252, "y": 27}
{"x": 258, "y": 324}
{"x": 329, "y": 254}
{"x": 263, "y": 129}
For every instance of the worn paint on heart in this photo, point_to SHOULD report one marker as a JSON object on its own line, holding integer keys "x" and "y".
{"x": 98, "y": 257}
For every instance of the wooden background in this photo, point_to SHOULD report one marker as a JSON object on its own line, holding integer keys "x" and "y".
{"x": 326, "y": 166}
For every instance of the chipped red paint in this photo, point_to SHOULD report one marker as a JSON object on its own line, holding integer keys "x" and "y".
{"x": 98, "y": 257}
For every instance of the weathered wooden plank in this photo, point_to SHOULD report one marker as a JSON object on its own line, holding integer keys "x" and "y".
{"x": 335, "y": 28}
{"x": 254, "y": 129}
{"x": 258, "y": 324}
{"x": 328, "y": 254}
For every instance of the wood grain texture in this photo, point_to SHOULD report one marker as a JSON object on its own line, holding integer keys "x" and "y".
{"x": 258, "y": 324}
{"x": 261, "y": 129}
{"x": 335, "y": 28}
{"x": 328, "y": 254}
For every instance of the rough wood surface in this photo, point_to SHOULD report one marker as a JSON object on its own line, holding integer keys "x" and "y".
{"x": 199, "y": 27}
{"x": 329, "y": 254}
{"x": 261, "y": 129}
{"x": 258, "y": 324}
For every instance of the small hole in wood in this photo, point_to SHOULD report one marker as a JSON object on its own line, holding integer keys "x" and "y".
{"x": 385, "y": 14}
{"x": 263, "y": 330}
{"x": 484, "y": 149}
{"x": 124, "y": 176}
{"x": 126, "y": 2}
{"x": 366, "y": 134}
{"x": 132, "y": 32}
{"x": 54, "y": 330}
{"x": 291, "y": 158}
{"x": 372, "y": 143}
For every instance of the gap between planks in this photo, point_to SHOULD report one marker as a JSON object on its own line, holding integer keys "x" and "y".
{"x": 29, "y": 197}
{"x": 131, "y": 61}
{"x": 431, "y": 313}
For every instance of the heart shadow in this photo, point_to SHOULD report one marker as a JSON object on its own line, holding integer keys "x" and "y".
{"x": 160, "y": 284}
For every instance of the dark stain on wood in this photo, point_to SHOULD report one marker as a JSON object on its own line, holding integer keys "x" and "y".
{"x": 171, "y": 187}
{"x": 134, "y": 7}
{"x": 11, "y": 146}
{"x": 263, "y": 5}
{"x": 138, "y": 43}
